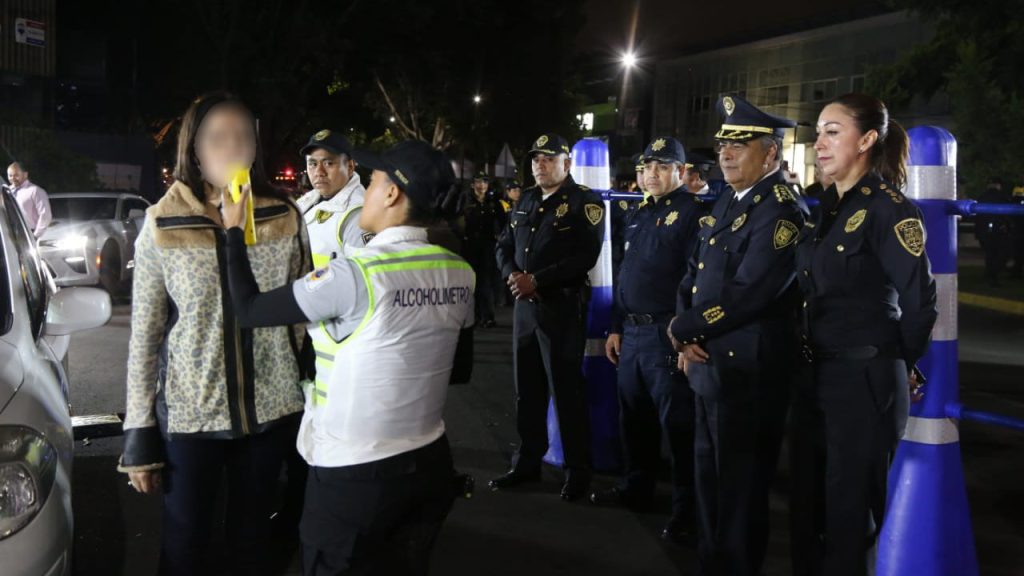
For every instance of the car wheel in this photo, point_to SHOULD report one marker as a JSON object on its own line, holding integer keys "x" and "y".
{"x": 110, "y": 269}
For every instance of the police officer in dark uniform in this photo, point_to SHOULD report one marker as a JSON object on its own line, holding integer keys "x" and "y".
{"x": 481, "y": 217}
{"x": 736, "y": 325}
{"x": 552, "y": 241}
{"x": 870, "y": 306}
{"x": 654, "y": 396}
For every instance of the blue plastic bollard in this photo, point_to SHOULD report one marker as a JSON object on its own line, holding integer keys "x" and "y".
{"x": 590, "y": 167}
{"x": 927, "y": 528}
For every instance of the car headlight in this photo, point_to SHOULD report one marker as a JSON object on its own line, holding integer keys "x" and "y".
{"x": 28, "y": 466}
{"x": 72, "y": 242}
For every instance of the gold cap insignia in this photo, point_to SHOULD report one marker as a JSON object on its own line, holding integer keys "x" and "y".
{"x": 400, "y": 176}
{"x": 540, "y": 141}
{"x": 321, "y": 135}
{"x": 594, "y": 214}
{"x": 739, "y": 222}
{"x": 729, "y": 105}
{"x": 658, "y": 144}
{"x": 714, "y": 314}
{"x": 855, "y": 221}
{"x": 910, "y": 233}
{"x": 562, "y": 210}
{"x": 785, "y": 234}
{"x": 671, "y": 218}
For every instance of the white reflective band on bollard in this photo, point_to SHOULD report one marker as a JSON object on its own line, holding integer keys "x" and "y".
{"x": 946, "y": 326}
{"x": 933, "y": 431}
{"x": 931, "y": 183}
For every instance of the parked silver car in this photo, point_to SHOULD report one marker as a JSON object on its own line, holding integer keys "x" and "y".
{"x": 91, "y": 239}
{"x": 36, "y": 438}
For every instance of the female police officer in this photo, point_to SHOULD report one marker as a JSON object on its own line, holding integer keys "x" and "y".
{"x": 870, "y": 306}
{"x": 380, "y": 481}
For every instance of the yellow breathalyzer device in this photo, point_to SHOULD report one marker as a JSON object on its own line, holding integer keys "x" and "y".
{"x": 240, "y": 178}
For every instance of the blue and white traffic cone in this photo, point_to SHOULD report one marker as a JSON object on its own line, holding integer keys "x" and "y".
{"x": 590, "y": 167}
{"x": 927, "y": 528}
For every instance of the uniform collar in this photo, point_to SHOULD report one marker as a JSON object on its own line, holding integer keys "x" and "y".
{"x": 398, "y": 234}
{"x": 670, "y": 196}
{"x": 338, "y": 203}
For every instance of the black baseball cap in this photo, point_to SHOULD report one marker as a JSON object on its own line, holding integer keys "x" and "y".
{"x": 481, "y": 175}
{"x": 422, "y": 172}
{"x": 666, "y": 150}
{"x": 549, "y": 145}
{"x": 329, "y": 140}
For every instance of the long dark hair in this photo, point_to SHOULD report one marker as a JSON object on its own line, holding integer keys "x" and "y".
{"x": 186, "y": 168}
{"x": 890, "y": 152}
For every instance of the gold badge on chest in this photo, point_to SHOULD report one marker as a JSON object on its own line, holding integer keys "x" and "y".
{"x": 855, "y": 221}
{"x": 562, "y": 210}
{"x": 707, "y": 221}
{"x": 739, "y": 222}
{"x": 671, "y": 218}
{"x": 323, "y": 216}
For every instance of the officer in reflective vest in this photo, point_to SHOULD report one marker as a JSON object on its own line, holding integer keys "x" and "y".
{"x": 331, "y": 208}
{"x": 381, "y": 473}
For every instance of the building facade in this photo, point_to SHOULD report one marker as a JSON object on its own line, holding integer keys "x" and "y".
{"x": 793, "y": 76}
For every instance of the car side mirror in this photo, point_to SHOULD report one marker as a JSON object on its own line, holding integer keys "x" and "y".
{"x": 76, "y": 309}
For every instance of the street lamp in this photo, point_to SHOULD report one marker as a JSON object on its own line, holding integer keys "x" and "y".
{"x": 628, "y": 60}
{"x": 476, "y": 99}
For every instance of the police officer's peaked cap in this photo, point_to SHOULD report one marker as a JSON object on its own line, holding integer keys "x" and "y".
{"x": 664, "y": 149}
{"x": 743, "y": 121}
{"x": 512, "y": 184}
{"x": 421, "y": 171}
{"x": 549, "y": 145}
{"x": 329, "y": 140}
{"x": 481, "y": 175}
{"x": 694, "y": 158}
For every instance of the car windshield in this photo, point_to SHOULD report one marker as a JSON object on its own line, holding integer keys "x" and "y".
{"x": 83, "y": 209}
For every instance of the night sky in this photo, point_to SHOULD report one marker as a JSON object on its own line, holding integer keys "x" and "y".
{"x": 669, "y": 28}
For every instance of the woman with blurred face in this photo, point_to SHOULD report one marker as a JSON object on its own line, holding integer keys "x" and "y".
{"x": 208, "y": 398}
{"x": 870, "y": 305}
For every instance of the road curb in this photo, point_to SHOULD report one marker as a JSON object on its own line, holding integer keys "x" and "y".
{"x": 992, "y": 303}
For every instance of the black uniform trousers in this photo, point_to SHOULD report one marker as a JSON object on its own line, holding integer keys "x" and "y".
{"x": 845, "y": 434}
{"x": 548, "y": 342}
{"x": 737, "y": 442}
{"x": 655, "y": 398}
{"x": 379, "y": 518}
{"x": 480, "y": 255}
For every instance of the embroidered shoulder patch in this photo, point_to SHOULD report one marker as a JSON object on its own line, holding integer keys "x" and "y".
{"x": 783, "y": 193}
{"x": 713, "y": 314}
{"x": 855, "y": 221}
{"x": 594, "y": 214}
{"x": 910, "y": 233}
{"x": 317, "y": 278}
{"x": 785, "y": 234}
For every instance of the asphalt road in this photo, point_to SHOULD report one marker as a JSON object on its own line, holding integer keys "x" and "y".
{"x": 533, "y": 532}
